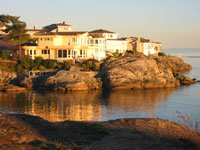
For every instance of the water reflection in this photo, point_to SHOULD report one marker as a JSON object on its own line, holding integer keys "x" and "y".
{"x": 82, "y": 106}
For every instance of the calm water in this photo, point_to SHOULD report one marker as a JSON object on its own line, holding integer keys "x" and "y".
{"x": 169, "y": 104}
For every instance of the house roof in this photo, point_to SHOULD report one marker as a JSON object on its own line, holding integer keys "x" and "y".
{"x": 101, "y": 31}
{"x": 61, "y": 33}
{"x": 116, "y": 39}
{"x": 96, "y": 36}
{"x": 55, "y": 26}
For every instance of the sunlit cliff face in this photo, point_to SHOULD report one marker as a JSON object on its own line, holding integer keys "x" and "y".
{"x": 81, "y": 106}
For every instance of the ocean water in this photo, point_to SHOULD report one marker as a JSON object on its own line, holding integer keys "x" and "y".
{"x": 181, "y": 105}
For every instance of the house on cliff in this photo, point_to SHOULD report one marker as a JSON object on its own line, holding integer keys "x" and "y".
{"x": 142, "y": 45}
{"x": 61, "y": 42}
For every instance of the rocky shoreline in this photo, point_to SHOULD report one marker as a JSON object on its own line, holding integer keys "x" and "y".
{"x": 116, "y": 74}
{"x": 19, "y": 131}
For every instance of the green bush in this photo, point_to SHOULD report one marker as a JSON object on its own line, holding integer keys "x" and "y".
{"x": 42, "y": 68}
{"x": 49, "y": 64}
{"x": 5, "y": 55}
{"x": 161, "y": 54}
{"x": 67, "y": 64}
{"x": 96, "y": 68}
{"x": 89, "y": 64}
{"x": 59, "y": 66}
{"x": 12, "y": 68}
{"x": 84, "y": 66}
{"x": 19, "y": 69}
{"x": 38, "y": 60}
{"x": 34, "y": 68}
{"x": 27, "y": 63}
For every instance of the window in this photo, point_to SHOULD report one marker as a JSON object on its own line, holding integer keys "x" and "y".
{"x": 91, "y": 42}
{"x": 100, "y": 41}
{"x": 44, "y": 51}
{"x": 64, "y": 53}
{"x": 82, "y": 53}
{"x": 40, "y": 39}
{"x": 30, "y": 52}
{"x": 60, "y": 53}
{"x": 111, "y": 35}
{"x": 48, "y": 51}
{"x": 96, "y": 41}
{"x": 34, "y": 52}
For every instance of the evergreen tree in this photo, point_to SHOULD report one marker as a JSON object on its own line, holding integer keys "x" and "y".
{"x": 16, "y": 30}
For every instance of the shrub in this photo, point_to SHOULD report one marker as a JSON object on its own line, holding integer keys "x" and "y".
{"x": 89, "y": 64}
{"x": 34, "y": 68}
{"x": 50, "y": 64}
{"x": 38, "y": 60}
{"x": 84, "y": 66}
{"x": 19, "y": 69}
{"x": 67, "y": 64}
{"x": 42, "y": 68}
{"x": 59, "y": 66}
{"x": 5, "y": 55}
{"x": 12, "y": 68}
{"x": 96, "y": 68}
{"x": 27, "y": 63}
{"x": 161, "y": 54}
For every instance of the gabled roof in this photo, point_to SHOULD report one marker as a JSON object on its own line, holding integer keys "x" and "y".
{"x": 101, "y": 31}
{"x": 55, "y": 26}
{"x": 61, "y": 33}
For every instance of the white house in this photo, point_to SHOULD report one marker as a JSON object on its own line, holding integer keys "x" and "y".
{"x": 112, "y": 42}
{"x": 116, "y": 45}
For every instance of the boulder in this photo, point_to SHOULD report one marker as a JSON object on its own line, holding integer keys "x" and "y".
{"x": 6, "y": 77}
{"x": 73, "y": 80}
{"x": 142, "y": 73}
{"x": 12, "y": 88}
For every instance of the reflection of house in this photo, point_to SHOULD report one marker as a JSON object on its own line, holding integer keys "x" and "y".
{"x": 144, "y": 46}
{"x": 76, "y": 106}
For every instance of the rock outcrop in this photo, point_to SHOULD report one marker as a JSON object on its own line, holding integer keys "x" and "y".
{"x": 6, "y": 77}
{"x": 73, "y": 80}
{"x": 142, "y": 73}
{"x": 20, "y": 131}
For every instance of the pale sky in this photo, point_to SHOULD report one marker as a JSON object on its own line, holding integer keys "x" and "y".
{"x": 175, "y": 23}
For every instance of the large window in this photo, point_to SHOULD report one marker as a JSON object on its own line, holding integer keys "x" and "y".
{"x": 82, "y": 53}
{"x": 60, "y": 53}
{"x": 91, "y": 42}
{"x": 45, "y": 51}
{"x": 65, "y": 53}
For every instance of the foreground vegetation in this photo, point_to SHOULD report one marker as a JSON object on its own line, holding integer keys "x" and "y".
{"x": 26, "y": 132}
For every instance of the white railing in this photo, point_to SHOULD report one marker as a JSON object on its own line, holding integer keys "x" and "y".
{"x": 41, "y": 73}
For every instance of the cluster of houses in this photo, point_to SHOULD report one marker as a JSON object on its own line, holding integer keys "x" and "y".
{"x": 61, "y": 42}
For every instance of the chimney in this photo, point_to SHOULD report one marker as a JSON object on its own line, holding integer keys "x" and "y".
{"x": 64, "y": 22}
{"x": 35, "y": 27}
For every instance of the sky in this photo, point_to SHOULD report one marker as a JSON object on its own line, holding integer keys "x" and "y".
{"x": 175, "y": 23}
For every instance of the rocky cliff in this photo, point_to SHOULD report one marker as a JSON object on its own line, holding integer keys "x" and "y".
{"x": 6, "y": 77}
{"x": 143, "y": 73}
{"x": 73, "y": 80}
{"x": 119, "y": 73}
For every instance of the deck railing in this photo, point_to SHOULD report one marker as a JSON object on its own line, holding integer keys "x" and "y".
{"x": 41, "y": 73}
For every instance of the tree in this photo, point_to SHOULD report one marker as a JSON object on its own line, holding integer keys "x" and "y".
{"x": 16, "y": 29}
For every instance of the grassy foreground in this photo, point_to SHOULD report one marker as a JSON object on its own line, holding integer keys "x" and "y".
{"x": 25, "y": 132}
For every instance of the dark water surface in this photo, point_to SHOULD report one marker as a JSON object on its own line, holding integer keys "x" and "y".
{"x": 181, "y": 105}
